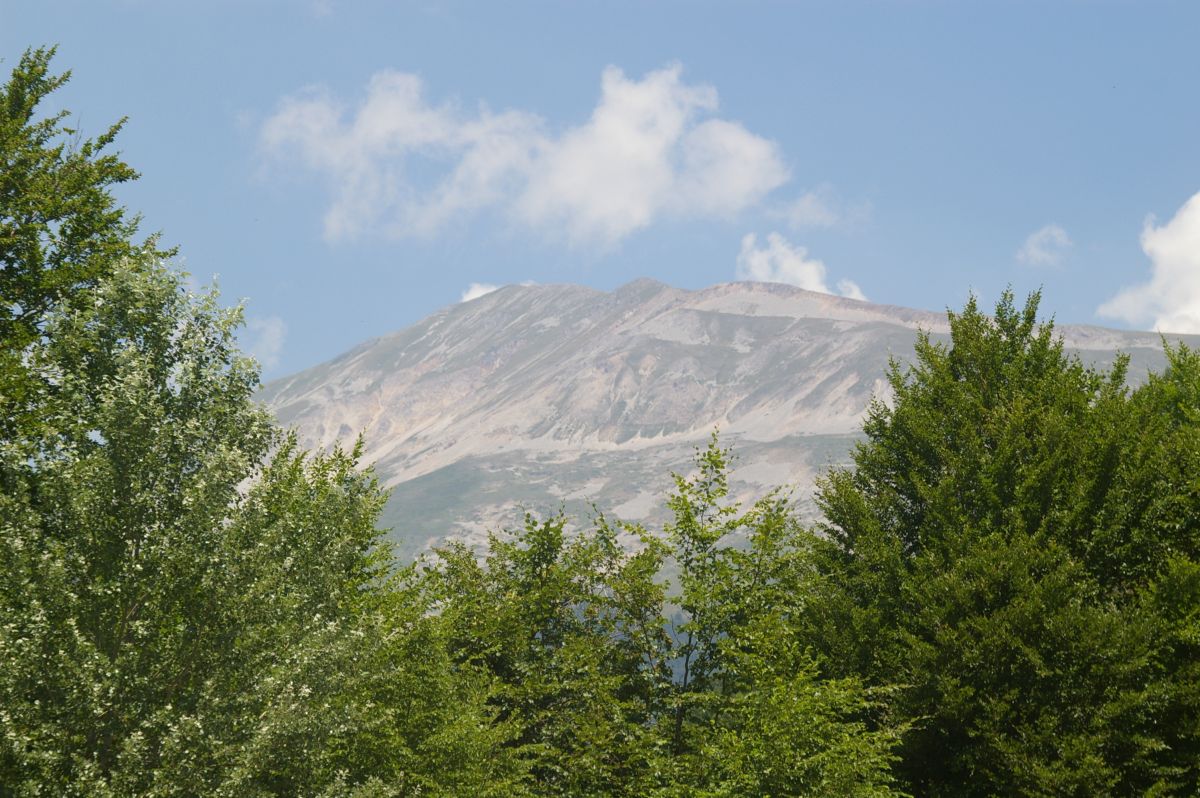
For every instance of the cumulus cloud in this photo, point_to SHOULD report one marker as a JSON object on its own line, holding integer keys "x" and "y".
{"x": 1045, "y": 247}
{"x": 266, "y": 339}
{"x": 1170, "y": 300}
{"x": 476, "y": 290}
{"x": 781, "y": 262}
{"x": 652, "y": 148}
{"x": 365, "y": 155}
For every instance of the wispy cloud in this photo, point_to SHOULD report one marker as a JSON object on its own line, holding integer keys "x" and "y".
{"x": 811, "y": 209}
{"x": 1170, "y": 300}
{"x": 782, "y": 262}
{"x": 265, "y": 339}
{"x": 821, "y": 207}
{"x": 476, "y": 290}
{"x": 1045, "y": 246}
{"x": 652, "y": 148}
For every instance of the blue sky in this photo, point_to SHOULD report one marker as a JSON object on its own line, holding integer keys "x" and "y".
{"x": 350, "y": 167}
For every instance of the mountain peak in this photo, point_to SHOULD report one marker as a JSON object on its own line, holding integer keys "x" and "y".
{"x": 642, "y": 287}
{"x": 559, "y": 395}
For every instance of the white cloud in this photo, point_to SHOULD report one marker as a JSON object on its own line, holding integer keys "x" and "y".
{"x": 822, "y": 208}
{"x": 781, "y": 262}
{"x": 650, "y": 149}
{"x": 366, "y": 158}
{"x": 1045, "y": 247}
{"x": 811, "y": 209}
{"x": 266, "y": 339}
{"x": 1170, "y": 301}
{"x": 849, "y": 288}
{"x": 476, "y": 290}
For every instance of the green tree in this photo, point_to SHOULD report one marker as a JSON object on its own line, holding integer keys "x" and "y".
{"x": 60, "y": 227}
{"x": 750, "y": 713}
{"x": 609, "y": 698}
{"x": 1003, "y": 549}
{"x": 570, "y": 629}
{"x": 189, "y": 604}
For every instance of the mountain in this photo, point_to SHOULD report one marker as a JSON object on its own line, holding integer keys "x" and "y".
{"x": 548, "y": 396}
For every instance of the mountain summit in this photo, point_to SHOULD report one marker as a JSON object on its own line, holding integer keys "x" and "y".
{"x": 559, "y": 396}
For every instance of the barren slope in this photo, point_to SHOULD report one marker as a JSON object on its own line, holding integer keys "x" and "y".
{"x": 536, "y": 397}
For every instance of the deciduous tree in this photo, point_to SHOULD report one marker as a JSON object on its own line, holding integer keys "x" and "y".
{"x": 1003, "y": 548}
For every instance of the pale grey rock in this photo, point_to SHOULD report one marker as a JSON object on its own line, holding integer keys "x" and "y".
{"x": 558, "y": 396}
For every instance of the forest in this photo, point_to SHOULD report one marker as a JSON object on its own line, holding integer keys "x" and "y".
{"x": 1002, "y": 597}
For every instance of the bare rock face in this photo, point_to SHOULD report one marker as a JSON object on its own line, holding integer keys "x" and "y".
{"x": 536, "y": 398}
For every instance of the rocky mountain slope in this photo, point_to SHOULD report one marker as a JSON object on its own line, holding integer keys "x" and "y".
{"x": 541, "y": 397}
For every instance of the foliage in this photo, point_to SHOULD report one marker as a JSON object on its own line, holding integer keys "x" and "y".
{"x": 192, "y": 605}
{"x": 60, "y": 228}
{"x": 612, "y": 697}
{"x": 563, "y": 625}
{"x": 750, "y": 712}
{"x": 189, "y": 604}
{"x": 1004, "y": 598}
{"x": 1004, "y": 548}
{"x": 181, "y": 612}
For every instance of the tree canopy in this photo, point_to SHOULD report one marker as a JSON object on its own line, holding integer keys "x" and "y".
{"x": 61, "y": 230}
{"x": 619, "y": 683}
{"x": 1016, "y": 547}
{"x": 186, "y": 598}
{"x": 1002, "y": 598}
{"x": 192, "y": 605}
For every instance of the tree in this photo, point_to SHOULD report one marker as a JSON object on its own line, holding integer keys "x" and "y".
{"x": 570, "y": 629}
{"x": 189, "y": 604}
{"x": 750, "y": 711}
{"x": 609, "y": 698}
{"x": 1003, "y": 549}
{"x": 60, "y": 227}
